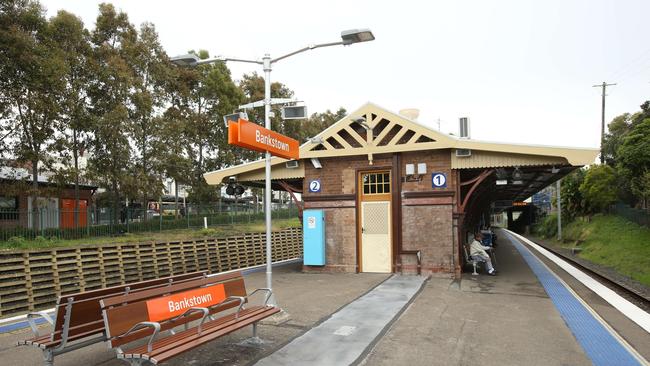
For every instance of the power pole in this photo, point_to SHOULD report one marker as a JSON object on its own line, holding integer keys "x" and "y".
{"x": 558, "y": 187}
{"x": 604, "y": 85}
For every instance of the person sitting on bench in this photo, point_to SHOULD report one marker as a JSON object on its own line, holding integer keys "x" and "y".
{"x": 478, "y": 250}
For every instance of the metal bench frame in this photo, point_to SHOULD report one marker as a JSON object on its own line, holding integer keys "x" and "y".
{"x": 472, "y": 260}
{"x": 63, "y": 347}
{"x": 134, "y": 360}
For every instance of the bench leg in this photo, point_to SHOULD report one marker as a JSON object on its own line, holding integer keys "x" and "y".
{"x": 253, "y": 341}
{"x": 48, "y": 357}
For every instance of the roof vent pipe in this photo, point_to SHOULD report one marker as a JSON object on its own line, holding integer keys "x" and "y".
{"x": 410, "y": 113}
{"x": 463, "y": 128}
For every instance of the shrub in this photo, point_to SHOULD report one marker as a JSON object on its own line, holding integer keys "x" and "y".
{"x": 16, "y": 241}
{"x": 547, "y": 228}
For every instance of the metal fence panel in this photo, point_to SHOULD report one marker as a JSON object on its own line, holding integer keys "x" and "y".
{"x": 104, "y": 221}
{"x": 641, "y": 217}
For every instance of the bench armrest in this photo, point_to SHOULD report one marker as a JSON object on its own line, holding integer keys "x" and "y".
{"x": 32, "y": 322}
{"x": 268, "y": 291}
{"x": 205, "y": 312}
{"x": 141, "y": 325}
{"x": 230, "y": 299}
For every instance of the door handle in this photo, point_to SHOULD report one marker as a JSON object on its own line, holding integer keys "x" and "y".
{"x": 363, "y": 230}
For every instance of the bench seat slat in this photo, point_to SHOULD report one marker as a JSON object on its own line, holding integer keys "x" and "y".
{"x": 189, "y": 339}
{"x": 207, "y": 325}
{"x": 186, "y": 346}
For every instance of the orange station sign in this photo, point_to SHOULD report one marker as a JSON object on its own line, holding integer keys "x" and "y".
{"x": 254, "y": 137}
{"x": 163, "y": 308}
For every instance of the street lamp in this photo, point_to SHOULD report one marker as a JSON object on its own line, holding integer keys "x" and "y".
{"x": 348, "y": 37}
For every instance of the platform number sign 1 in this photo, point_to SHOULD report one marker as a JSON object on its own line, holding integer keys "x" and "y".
{"x": 314, "y": 186}
{"x": 438, "y": 180}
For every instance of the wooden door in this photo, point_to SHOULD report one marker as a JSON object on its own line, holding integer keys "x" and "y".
{"x": 375, "y": 224}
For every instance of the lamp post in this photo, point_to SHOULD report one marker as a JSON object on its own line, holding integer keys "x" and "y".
{"x": 348, "y": 37}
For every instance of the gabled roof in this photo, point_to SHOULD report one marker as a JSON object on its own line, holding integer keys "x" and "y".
{"x": 372, "y": 130}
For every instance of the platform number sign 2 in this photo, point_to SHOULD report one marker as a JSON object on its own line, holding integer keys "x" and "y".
{"x": 314, "y": 186}
{"x": 438, "y": 180}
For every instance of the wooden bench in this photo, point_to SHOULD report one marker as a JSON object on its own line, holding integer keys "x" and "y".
{"x": 207, "y": 309}
{"x": 78, "y": 318}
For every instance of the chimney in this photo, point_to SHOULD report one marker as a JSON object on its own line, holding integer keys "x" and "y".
{"x": 410, "y": 113}
{"x": 463, "y": 128}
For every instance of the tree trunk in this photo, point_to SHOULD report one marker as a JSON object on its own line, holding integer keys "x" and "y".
{"x": 175, "y": 199}
{"x": 75, "y": 154}
{"x": 116, "y": 199}
{"x": 35, "y": 214}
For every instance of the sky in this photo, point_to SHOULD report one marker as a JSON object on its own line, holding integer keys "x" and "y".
{"x": 522, "y": 70}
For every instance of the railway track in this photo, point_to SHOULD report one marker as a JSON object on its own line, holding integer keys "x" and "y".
{"x": 622, "y": 289}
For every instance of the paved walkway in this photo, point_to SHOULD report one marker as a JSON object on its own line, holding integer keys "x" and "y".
{"x": 343, "y": 338}
{"x": 481, "y": 320}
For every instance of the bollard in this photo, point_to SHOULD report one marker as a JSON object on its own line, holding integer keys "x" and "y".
{"x": 205, "y": 222}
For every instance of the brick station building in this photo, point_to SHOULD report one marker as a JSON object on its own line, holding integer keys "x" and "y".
{"x": 396, "y": 193}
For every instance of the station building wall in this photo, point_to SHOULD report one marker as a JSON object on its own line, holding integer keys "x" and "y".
{"x": 426, "y": 219}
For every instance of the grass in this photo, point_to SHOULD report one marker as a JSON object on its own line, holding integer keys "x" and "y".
{"x": 171, "y": 235}
{"x": 613, "y": 242}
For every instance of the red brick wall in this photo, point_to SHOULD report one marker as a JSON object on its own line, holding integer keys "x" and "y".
{"x": 437, "y": 161}
{"x": 338, "y": 174}
{"x": 427, "y": 222}
{"x": 428, "y": 229}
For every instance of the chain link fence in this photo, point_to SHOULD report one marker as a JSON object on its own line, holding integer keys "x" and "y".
{"x": 106, "y": 221}
{"x": 640, "y": 216}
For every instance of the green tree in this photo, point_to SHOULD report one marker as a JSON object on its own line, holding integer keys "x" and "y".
{"x": 200, "y": 98}
{"x": 634, "y": 158}
{"x": 572, "y": 199}
{"x": 597, "y": 188}
{"x": 618, "y": 128}
{"x": 252, "y": 85}
{"x": 110, "y": 93}
{"x": 151, "y": 68}
{"x": 317, "y": 122}
{"x": 30, "y": 86}
{"x": 67, "y": 32}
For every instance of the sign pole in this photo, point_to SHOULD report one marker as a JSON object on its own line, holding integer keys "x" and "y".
{"x": 267, "y": 176}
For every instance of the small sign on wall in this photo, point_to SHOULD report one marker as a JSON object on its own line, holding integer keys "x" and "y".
{"x": 314, "y": 186}
{"x": 311, "y": 222}
{"x": 438, "y": 180}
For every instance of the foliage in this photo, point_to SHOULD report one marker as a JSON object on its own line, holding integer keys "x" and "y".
{"x": 112, "y": 95}
{"x": 634, "y": 160}
{"x": 572, "y": 199}
{"x": 30, "y": 86}
{"x": 613, "y": 242}
{"x": 547, "y": 227}
{"x": 597, "y": 188}
{"x": 200, "y": 97}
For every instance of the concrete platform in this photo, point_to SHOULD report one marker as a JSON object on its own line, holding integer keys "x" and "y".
{"x": 481, "y": 320}
{"x": 343, "y": 338}
{"x": 478, "y": 320}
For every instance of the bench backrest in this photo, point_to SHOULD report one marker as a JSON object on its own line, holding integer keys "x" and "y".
{"x": 467, "y": 259}
{"x": 86, "y": 313}
{"x": 164, "y": 305}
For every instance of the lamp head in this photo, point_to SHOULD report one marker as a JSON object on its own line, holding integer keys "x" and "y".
{"x": 188, "y": 60}
{"x": 356, "y": 35}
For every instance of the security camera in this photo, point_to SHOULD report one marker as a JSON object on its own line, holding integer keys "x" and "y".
{"x": 232, "y": 179}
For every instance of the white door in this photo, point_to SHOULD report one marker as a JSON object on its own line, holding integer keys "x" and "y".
{"x": 375, "y": 237}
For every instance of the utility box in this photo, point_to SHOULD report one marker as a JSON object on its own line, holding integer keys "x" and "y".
{"x": 313, "y": 229}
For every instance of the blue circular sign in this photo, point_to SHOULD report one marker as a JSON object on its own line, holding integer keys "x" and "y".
{"x": 314, "y": 186}
{"x": 438, "y": 180}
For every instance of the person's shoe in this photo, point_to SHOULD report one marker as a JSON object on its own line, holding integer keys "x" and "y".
{"x": 492, "y": 273}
